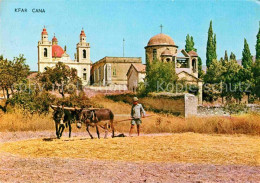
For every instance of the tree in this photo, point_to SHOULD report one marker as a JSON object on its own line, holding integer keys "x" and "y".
{"x": 232, "y": 56}
{"x": 231, "y": 83}
{"x": 215, "y": 47}
{"x": 160, "y": 76}
{"x": 13, "y": 72}
{"x": 257, "y": 46}
{"x": 256, "y": 75}
{"x": 226, "y": 56}
{"x": 256, "y": 66}
{"x": 192, "y": 44}
{"x": 222, "y": 61}
{"x": 61, "y": 78}
{"x": 212, "y": 80}
{"x": 211, "y": 46}
{"x": 189, "y": 46}
{"x": 200, "y": 71}
{"x": 247, "y": 60}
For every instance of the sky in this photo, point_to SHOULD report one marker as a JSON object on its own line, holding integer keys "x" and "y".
{"x": 107, "y": 22}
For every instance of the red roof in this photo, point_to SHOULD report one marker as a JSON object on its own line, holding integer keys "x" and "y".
{"x": 54, "y": 39}
{"x": 82, "y": 33}
{"x": 44, "y": 31}
{"x": 140, "y": 67}
{"x": 57, "y": 51}
{"x": 161, "y": 39}
{"x": 193, "y": 53}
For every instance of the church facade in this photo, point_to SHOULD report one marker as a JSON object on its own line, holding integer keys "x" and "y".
{"x": 50, "y": 53}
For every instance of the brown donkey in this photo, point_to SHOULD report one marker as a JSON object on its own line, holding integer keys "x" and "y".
{"x": 93, "y": 117}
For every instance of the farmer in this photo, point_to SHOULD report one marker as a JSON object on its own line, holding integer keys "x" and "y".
{"x": 136, "y": 112}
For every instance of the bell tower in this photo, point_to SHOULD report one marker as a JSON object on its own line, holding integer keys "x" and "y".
{"x": 44, "y": 50}
{"x": 83, "y": 49}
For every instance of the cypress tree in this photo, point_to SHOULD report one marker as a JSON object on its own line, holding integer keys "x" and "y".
{"x": 232, "y": 56}
{"x": 188, "y": 46}
{"x": 211, "y": 46}
{"x": 192, "y": 44}
{"x": 200, "y": 71}
{"x": 215, "y": 47}
{"x": 257, "y": 46}
{"x": 226, "y": 56}
{"x": 247, "y": 60}
{"x": 222, "y": 60}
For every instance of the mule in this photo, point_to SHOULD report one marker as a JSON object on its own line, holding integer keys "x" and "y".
{"x": 63, "y": 117}
{"x": 93, "y": 117}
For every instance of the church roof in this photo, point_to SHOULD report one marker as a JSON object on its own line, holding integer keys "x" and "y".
{"x": 44, "y": 31}
{"x": 54, "y": 39}
{"x": 82, "y": 33}
{"x": 161, "y": 39}
{"x": 139, "y": 67}
{"x": 192, "y": 53}
{"x": 57, "y": 51}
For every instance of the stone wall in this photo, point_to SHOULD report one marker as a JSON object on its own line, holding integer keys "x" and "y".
{"x": 218, "y": 110}
{"x": 177, "y": 104}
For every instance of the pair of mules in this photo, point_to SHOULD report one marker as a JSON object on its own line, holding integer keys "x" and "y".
{"x": 65, "y": 116}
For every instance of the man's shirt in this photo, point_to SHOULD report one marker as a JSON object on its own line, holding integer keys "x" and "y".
{"x": 137, "y": 110}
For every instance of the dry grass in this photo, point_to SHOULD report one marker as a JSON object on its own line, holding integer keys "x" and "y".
{"x": 243, "y": 124}
{"x": 17, "y": 120}
{"x": 158, "y": 123}
{"x": 186, "y": 147}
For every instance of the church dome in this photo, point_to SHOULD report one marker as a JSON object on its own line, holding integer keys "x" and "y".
{"x": 57, "y": 51}
{"x": 161, "y": 39}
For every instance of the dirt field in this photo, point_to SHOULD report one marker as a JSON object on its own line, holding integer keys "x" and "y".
{"x": 18, "y": 167}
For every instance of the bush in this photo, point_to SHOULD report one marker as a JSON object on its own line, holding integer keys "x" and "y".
{"x": 32, "y": 101}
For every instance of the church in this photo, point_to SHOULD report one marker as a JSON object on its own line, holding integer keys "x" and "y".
{"x": 50, "y": 53}
{"x": 161, "y": 47}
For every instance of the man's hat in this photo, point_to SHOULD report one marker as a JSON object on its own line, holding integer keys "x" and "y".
{"x": 135, "y": 99}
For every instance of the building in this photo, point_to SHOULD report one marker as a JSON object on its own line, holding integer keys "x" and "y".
{"x": 161, "y": 47}
{"x": 135, "y": 75}
{"x": 50, "y": 53}
{"x": 112, "y": 70}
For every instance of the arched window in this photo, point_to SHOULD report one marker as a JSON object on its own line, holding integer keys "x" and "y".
{"x": 154, "y": 54}
{"x": 194, "y": 66}
{"x": 168, "y": 59}
{"x": 45, "y": 52}
{"x": 84, "y": 54}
